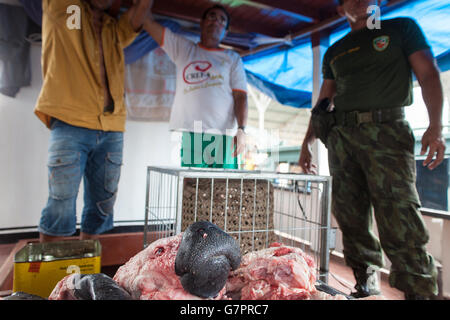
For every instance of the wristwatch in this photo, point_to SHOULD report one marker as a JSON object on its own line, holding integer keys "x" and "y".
{"x": 242, "y": 128}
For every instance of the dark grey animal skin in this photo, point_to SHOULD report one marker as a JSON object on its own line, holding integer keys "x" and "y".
{"x": 205, "y": 258}
{"x": 98, "y": 286}
{"x": 19, "y": 295}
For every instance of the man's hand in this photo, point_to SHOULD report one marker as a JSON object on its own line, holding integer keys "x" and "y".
{"x": 425, "y": 68}
{"x": 241, "y": 113}
{"x": 153, "y": 28}
{"x": 139, "y": 12}
{"x": 433, "y": 141}
{"x": 327, "y": 90}
{"x": 305, "y": 161}
{"x": 239, "y": 142}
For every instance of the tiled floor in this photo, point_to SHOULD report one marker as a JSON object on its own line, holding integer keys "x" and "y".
{"x": 341, "y": 278}
{"x": 5, "y": 249}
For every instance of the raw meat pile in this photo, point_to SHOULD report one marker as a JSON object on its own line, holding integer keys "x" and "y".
{"x": 191, "y": 265}
{"x": 195, "y": 265}
{"x": 64, "y": 289}
{"x": 276, "y": 273}
{"x": 150, "y": 275}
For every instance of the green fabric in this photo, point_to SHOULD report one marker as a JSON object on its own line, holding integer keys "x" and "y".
{"x": 371, "y": 67}
{"x": 203, "y": 150}
{"x": 373, "y": 166}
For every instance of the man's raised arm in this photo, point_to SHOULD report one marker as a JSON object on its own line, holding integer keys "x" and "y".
{"x": 138, "y": 13}
{"x": 153, "y": 28}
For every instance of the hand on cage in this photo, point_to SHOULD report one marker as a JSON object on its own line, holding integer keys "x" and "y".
{"x": 239, "y": 142}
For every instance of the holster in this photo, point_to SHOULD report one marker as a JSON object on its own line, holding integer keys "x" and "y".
{"x": 322, "y": 120}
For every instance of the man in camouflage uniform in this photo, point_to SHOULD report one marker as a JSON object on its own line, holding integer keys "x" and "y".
{"x": 367, "y": 75}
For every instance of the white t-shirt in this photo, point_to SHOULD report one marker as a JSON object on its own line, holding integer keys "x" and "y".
{"x": 206, "y": 79}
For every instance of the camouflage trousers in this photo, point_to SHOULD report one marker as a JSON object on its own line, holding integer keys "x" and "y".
{"x": 373, "y": 167}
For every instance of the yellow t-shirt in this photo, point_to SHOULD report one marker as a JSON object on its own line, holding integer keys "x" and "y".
{"x": 72, "y": 89}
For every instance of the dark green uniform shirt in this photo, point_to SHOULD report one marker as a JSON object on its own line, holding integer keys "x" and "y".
{"x": 371, "y": 67}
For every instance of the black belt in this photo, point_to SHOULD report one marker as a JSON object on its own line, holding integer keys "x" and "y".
{"x": 355, "y": 118}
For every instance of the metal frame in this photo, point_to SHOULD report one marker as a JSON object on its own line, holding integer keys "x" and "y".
{"x": 163, "y": 182}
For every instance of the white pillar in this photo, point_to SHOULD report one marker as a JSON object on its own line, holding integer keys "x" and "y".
{"x": 320, "y": 44}
{"x": 262, "y": 102}
{"x": 261, "y": 120}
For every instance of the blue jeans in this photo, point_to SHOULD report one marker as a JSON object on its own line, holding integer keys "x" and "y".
{"x": 74, "y": 153}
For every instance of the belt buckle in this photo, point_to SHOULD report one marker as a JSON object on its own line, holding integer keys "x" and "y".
{"x": 363, "y": 117}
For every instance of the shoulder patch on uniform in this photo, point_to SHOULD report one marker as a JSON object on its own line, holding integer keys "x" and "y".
{"x": 381, "y": 43}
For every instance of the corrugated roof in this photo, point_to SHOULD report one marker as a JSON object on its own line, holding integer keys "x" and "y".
{"x": 252, "y": 21}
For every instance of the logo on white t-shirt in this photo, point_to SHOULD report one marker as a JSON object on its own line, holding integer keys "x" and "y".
{"x": 197, "y": 72}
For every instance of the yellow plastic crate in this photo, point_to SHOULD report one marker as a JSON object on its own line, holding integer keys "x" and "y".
{"x": 38, "y": 267}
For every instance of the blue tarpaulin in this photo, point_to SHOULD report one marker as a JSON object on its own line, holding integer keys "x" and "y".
{"x": 291, "y": 69}
{"x": 286, "y": 74}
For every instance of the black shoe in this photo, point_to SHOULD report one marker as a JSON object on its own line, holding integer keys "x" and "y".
{"x": 359, "y": 293}
{"x": 366, "y": 284}
{"x": 363, "y": 291}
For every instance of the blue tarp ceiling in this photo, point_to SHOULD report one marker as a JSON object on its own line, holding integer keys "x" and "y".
{"x": 286, "y": 75}
{"x": 292, "y": 68}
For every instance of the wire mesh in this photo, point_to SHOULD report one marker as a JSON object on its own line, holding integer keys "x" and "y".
{"x": 256, "y": 208}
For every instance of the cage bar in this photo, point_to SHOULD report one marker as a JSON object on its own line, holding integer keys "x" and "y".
{"x": 256, "y": 208}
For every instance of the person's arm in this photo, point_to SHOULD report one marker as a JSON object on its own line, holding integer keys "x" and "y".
{"x": 132, "y": 21}
{"x": 241, "y": 112}
{"x": 138, "y": 13}
{"x": 55, "y": 6}
{"x": 240, "y": 107}
{"x": 57, "y": 11}
{"x": 427, "y": 73}
{"x": 153, "y": 28}
{"x": 328, "y": 90}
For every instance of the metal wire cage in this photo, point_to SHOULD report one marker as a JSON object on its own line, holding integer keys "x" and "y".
{"x": 256, "y": 208}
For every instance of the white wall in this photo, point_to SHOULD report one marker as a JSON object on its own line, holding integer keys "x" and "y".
{"x": 23, "y": 159}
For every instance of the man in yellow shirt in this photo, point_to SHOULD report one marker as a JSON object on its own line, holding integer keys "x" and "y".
{"x": 81, "y": 102}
